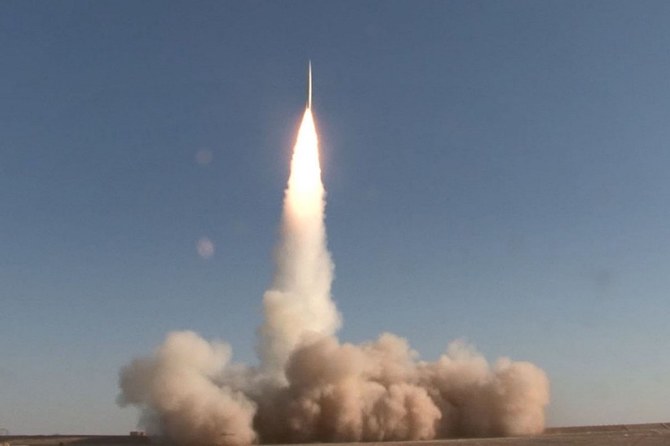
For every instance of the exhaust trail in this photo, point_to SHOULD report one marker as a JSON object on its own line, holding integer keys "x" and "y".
{"x": 298, "y": 303}
{"x": 311, "y": 387}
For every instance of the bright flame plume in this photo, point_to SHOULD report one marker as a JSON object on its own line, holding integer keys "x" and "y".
{"x": 298, "y": 302}
{"x": 309, "y": 386}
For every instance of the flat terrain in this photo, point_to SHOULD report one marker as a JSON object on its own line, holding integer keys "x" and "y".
{"x": 657, "y": 434}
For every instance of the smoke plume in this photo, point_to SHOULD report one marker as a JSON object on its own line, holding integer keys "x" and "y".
{"x": 298, "y": 302}
{"x": 309, "y": 386}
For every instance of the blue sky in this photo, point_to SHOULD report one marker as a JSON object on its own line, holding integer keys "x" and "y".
{"x": 496, "y": 171}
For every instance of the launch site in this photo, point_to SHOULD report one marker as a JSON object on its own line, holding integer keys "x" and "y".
{"x": 641, "y": 434}
{"x": 240, "y": 223}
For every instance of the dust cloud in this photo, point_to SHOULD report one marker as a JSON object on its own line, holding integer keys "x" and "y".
{"x": 309, "y": 386}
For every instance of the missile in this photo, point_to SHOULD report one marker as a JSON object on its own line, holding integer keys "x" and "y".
{"x": 309, "y": 85}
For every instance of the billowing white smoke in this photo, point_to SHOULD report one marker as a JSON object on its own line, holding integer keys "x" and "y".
{"x": 310, "y": 387}
{"x": 379, "y": 391}
{"x": 177, "y": 389}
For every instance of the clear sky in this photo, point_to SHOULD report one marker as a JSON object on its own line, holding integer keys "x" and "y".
{"x": 496, "y": 171}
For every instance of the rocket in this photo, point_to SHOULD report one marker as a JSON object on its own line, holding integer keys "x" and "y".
{"x": 309, "y": 85}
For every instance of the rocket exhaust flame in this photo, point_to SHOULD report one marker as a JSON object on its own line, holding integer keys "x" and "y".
{"x": 298, "y": 301}
{"x": 310, "y": 387}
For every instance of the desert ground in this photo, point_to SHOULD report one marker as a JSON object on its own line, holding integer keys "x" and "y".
{"x": 656, "y": 434}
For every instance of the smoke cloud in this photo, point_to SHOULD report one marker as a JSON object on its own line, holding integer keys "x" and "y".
{"x": 299, "y": 302}
{"x": 309, "y": 386}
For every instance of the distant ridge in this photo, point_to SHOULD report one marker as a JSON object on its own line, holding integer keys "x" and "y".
{"x": 607, "y": 428}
